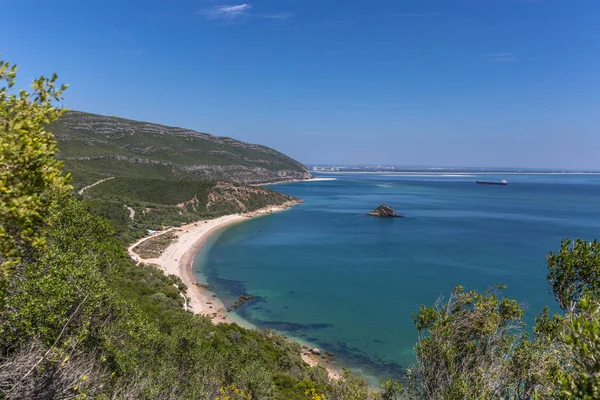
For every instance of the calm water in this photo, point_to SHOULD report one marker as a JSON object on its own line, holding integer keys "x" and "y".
{"x": 326, "y": 273}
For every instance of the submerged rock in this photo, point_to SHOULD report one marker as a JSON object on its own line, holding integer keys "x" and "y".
{"x": 243, "y": 299}
{"x": 384, "y": 211}
{"x": 203, "y": 286}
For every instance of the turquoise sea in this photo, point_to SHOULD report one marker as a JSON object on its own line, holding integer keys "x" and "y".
{"x": 326, "y": 273}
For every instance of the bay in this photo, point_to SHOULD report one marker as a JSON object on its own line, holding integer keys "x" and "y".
{"x": 326, "y": 273}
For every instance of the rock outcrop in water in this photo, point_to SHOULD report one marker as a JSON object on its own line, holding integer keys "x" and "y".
{"x": 243, "y": 299}
{"x": 384, "y": 211}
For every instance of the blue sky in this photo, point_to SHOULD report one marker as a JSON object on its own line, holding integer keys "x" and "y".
{"x": 512, "y": 83}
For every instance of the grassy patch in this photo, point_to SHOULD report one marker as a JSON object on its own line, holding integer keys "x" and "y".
{"x": 154, "y": 247}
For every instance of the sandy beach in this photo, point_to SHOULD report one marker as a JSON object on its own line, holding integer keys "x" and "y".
{"x": 178, "y": 257}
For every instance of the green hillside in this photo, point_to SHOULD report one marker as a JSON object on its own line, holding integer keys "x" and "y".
{"x": 146, "y": 176}
{"x": 95, "y": 146}
{"x": 135, "y": 205}
{"x": 88, "y": 323}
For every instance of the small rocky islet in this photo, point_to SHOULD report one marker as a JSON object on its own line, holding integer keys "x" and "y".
{"x": 384, "y": 211}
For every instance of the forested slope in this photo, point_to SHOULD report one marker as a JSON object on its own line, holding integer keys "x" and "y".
{"x": 96, "y": 146}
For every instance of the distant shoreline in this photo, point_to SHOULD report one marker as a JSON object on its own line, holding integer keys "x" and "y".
{"x": 295, "y": 181}
{"x": 446, "y": 172}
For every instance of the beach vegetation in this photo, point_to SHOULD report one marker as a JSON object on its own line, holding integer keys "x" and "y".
{"x": 574, "y": 271}
{"x": 582, "y": 338}
{"x": 154, "y": 247}
{"x": 31, "y": 178}
{"x": 476, "y": 345}
{"x": 161, "y": 203}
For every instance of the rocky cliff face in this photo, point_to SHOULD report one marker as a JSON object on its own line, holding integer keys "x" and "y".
{"x": 93, "y": 146}
{"x": 237, "y": 198}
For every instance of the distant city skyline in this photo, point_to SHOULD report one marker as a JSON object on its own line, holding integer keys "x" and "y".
{"x": 497, "y": 83}
{"x": 324, "y": 167}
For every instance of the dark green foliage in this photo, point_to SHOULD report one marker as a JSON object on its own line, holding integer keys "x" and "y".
{"x": 463, "y": 343}
{"x": 117, "y": 215}
{"x": 157, "y": 191}
{"x": 574, "y": 271}
{"x": 68, "y": 273}
{"x": 582, "y": 338}
{"x": 83, "y": 296}
{"x": 161, "y": 203}
{"x": 475, "y": 346}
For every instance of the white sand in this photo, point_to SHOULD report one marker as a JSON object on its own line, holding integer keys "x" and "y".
{"x": 178, "y": 258}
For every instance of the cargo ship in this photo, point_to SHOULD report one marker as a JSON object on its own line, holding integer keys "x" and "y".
{"x": 503, "y": 182}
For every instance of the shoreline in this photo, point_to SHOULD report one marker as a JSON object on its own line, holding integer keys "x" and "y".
{"x": 314, "y": 179}
{"x": 178, "y": 259}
